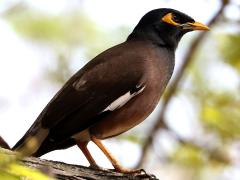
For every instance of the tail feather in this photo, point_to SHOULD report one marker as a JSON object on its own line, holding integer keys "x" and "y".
{"x": 4, "y": 144}
{"x": 48, "y": 146}
{"x": 19, "y": 143}
{"x": 37, "y": 146}
{"x": 31, "y": 142}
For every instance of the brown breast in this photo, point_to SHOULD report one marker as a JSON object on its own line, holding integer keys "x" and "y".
{"x": 158, "y": 70}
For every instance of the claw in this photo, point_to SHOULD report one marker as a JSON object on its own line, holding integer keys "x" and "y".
{"x": 143, "y": 174}
{"x": 94, "y": 166}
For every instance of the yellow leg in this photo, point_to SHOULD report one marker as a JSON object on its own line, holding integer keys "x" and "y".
{"x": 84, "y": 149}
{"x": 114, "y": 162}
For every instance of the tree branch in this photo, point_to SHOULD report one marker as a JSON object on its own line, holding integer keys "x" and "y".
{"x": 65, "y": 171}
{"x": 160, "y": 123}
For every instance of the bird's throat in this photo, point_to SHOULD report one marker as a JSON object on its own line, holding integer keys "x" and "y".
{"x": 155, "y": 37}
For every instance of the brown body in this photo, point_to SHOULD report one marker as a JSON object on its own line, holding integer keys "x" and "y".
{"x": 157, "y": 72}
{"x": 74, "y": 114}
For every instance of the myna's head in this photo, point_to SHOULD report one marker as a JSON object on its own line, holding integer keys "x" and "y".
{"x": 165, "y": 27}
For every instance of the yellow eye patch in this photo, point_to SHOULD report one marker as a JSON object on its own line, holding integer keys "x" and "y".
{"x": 168, "y": 18}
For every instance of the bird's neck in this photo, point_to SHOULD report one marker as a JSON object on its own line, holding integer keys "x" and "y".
{"x": 169, "y": 41}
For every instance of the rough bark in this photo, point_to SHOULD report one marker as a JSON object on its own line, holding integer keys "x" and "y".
{"x": 63, "y": 171}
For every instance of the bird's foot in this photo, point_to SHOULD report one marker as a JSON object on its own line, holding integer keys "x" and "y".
{"x": 136, "y": 173}
{"x": 95, "y": 166}
{"x": 143, "y": 174}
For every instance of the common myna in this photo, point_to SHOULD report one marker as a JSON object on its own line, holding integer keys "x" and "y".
{"x": 114, "y": 92}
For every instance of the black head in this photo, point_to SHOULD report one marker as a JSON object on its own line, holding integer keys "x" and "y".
{"x": 165, "y": 27}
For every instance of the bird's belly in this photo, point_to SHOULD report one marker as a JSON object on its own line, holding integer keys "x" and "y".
{"x": 128, "y": 116}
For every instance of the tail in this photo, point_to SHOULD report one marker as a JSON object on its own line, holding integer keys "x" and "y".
{"x": 40, "y": 144}
{"x": 48, "y": 146}
{"x": 19, "y": 143}
{"x": 29, "y": 144}
{"x": 4, "y": 144}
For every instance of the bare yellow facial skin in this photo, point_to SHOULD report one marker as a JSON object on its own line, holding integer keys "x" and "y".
{"x": 168, "y": 18}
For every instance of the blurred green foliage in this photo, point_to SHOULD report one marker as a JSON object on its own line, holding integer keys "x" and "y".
{"x": 70, "y": 29}
{"x": 10, "y": 169}
{"x": 221, "y": 113}
{"x": 63, "y": 35}
{"x": 218, "y": 110}
{"x": 190, "y": 156}
{"x": 230, "y": 49}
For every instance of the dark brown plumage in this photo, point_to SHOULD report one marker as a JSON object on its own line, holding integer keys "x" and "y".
{"x": 115, "y": 91}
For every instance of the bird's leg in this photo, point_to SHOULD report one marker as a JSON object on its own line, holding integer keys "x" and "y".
{"x": 114, "y": 162}
{"x": 84, "y": 149}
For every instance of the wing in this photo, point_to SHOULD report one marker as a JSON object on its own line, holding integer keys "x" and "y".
{"x": 104, "y": 84}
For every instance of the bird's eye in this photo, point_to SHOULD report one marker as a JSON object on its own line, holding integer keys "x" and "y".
{"x": 175, "y": 18}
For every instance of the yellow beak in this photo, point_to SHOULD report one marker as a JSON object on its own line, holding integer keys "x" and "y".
{"x": 195, "y": 26}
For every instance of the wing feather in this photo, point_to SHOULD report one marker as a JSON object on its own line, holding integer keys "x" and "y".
{"x": 89, "y": 92}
